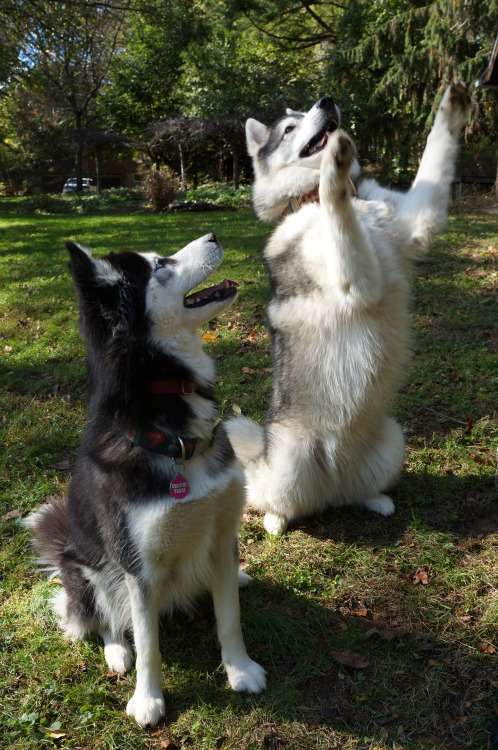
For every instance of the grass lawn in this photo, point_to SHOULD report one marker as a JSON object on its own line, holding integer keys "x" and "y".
{"x": 414, "y": 597}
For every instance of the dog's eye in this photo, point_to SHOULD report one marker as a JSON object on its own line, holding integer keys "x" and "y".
{"x": 159, "y": 263}
{"x": 289, "y": 129}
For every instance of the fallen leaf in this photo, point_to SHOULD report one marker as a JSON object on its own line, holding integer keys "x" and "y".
{"x": 11, "y": 514}
{"x": 210, "y": 337}
{"x": 421, "y": 576}
{"x": 383, "y": 733}
{"x": 351, "y": 659}
{"x": 486, "y": 648}
{"x": 64, "y": 465}
{"x": 8, "y": 348}
{"x": 236, "y": 410}
{"x": 248, "y": 370}
{"x": 387, "y": 635}
{"x": 359, "y": 609}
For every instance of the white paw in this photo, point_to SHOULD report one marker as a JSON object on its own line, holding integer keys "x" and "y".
{"x": 343, "y": 149}
{"x": 244, "y": 579}
{"x": 119, "y": 657}
{"x": 146, "y": 709}
{"x": 275, "y": 524}
{"x": 381, "y": 504}
{"x": 250, "y": 677}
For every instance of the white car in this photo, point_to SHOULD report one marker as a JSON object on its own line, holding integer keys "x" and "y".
{"x": 71, "y": 185}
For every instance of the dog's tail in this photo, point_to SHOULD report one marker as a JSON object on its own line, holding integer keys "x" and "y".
{"x": 50, "y": 533}
{"x": 246, "y": 438}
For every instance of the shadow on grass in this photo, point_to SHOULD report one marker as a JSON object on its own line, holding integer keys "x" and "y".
{"x": 415, "y": 689}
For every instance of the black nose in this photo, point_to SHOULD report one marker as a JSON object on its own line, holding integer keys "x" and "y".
{"x": 325, "y": 102}
{"x": 212, "y": 237}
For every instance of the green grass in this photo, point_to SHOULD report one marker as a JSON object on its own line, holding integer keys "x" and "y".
{"x": 342, "y": 580}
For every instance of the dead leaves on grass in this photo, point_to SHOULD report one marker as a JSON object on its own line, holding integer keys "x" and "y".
{"x": 420, "y": 576}
{"x": 351, "y": 659}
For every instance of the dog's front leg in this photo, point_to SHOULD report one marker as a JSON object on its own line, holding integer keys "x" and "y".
{"x": 352, "y": 266}
{"x": 243, "y": 673}
{"x": 426, "y": 203}
{"x": 147, "y": 703}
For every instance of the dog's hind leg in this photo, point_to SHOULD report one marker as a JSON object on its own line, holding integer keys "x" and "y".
{"x": 352, "y": 266}
{"x": 243, "y": 673}
{"x": 117, "y": 652}
{"x": 147, "y": 703}
{"x": 383, "y": 466}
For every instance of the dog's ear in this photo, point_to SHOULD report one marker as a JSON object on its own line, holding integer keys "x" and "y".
{"x": 292, "y": 112}
{"x": 257, "y": 136}
{"x": 88, "y": 272}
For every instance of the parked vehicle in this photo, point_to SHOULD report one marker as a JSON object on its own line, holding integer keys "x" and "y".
{"x": 71, "y": 185}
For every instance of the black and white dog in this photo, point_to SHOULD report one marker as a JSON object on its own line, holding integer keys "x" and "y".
{"x": 156, "y": 497}
{"x": 339, "y": 314}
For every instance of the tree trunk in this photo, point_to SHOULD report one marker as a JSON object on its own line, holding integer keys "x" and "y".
{"x": 79, "y": 153}
{"x": 235, "y": 169}
{"x": 183, "y": 181}
{"x": 496, "y": 185}
{"x": 98, "y": 170}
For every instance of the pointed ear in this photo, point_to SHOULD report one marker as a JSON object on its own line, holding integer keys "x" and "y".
{"x": 291, "y": 112}
{"x": 88, "y": 272}
{"x": 257, "y": 136}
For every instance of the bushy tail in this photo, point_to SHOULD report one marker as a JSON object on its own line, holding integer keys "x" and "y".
{"x": 246, "y": 437}
{"x": 50, "y": 527}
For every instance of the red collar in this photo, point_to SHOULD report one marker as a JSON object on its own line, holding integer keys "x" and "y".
{"x": 169, "y": 387}
{"x": 296, "y": 201}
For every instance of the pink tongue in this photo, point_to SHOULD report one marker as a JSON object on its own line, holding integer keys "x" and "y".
{"x": 322, "y": 142}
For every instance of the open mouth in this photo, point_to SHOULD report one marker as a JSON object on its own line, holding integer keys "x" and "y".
{"x": 218, "y": 293}
{"x": 319, "y": 140}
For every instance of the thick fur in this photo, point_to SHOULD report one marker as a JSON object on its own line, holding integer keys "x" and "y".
{"x": 124, "y": 549}
{"x": 339, "y": 314}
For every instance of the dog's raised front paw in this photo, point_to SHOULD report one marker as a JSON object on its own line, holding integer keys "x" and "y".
{"x": 455, "y": 105}
{"x": 343, "y": 150}
{"x": 249, "y": 677}
{"x": 146, "y": 709}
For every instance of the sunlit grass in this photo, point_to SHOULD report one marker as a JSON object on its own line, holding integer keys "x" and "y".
{"x": 343, "y": 580}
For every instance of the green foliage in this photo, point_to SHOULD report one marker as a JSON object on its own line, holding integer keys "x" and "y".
{"x": 219, "y": 193}
{"x": 113, "y": 198}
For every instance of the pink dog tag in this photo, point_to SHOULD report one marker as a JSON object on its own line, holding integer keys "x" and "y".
{"x": 178, "y": 487}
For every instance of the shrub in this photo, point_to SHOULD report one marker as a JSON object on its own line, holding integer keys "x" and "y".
{"x": 45, "y": 204}
{"x": 160, "y": 186}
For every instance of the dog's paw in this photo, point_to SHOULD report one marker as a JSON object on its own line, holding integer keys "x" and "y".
{"x": 244, "y": 579}
{"x": 249, "y": 677}
{"x": 381, "y": 504}
{"x": 146, "y": 709}
{"x": 343, "y": 150}
{"x": 455, "y": 106}
{"x": 275, "y": 524}
{"x": 119, "y": 657}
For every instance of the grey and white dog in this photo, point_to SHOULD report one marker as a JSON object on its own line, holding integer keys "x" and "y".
{"x": 339, "y": 313}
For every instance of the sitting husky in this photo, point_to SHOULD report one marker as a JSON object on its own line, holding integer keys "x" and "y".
{"x": 338, "y": 316}
{"x": 157, "y": 494}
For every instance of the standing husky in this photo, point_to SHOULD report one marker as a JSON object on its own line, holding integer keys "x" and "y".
{"x": 338, "y": 316}
{"x": 157, "y": 494}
